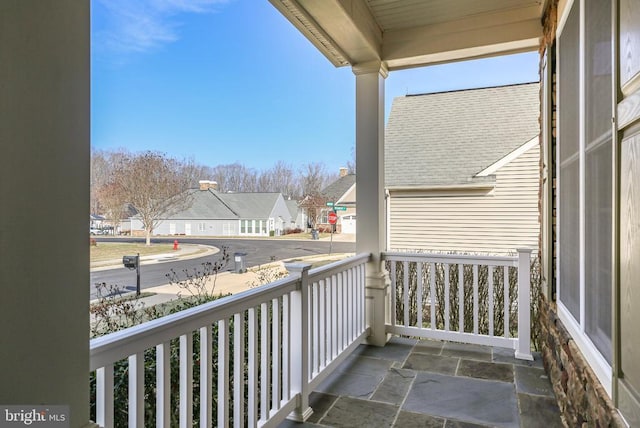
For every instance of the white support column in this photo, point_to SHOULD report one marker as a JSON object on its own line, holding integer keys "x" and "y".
{"x": 44, "y": 201}
{"x": 371, "y": 224}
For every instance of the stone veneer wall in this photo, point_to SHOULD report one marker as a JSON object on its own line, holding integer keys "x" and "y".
{"x": 582, "y": 400}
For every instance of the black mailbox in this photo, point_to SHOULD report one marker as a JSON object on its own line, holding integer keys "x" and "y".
{"x": 130, "y": 262}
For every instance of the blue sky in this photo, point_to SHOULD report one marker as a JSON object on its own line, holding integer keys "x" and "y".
{"x": 233, "y": 81}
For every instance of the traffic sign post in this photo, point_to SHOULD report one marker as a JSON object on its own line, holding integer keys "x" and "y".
{"x": 333, "y": 219}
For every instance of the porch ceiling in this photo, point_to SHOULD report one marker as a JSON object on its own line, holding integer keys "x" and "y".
{"x": 411, "y": 33}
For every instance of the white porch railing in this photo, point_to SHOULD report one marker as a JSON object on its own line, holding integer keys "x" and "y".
{"x": 260, "y": 353}
{"x": 462, "y": 298}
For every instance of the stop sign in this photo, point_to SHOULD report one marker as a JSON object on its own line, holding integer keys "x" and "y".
{"x": 333, "y": 217}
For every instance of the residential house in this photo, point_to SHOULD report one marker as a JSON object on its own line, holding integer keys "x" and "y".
{"x": 212, "y": 213}
{"x": 297, "y": 214}
{"x": 462, "y": 170}
{"x": 341, "y": 194}
{"x": 590, "y": 170}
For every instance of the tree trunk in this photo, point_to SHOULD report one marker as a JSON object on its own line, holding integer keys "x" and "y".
{"x": 148, "y": 233}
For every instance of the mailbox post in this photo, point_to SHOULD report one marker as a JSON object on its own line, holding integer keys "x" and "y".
{"x": 133, "y": 262}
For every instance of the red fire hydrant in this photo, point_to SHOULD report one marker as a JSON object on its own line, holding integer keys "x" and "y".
{"x": 175, "y": 245}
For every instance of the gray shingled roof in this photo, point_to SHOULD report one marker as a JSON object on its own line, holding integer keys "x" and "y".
{"x": 446, "y": 138}
{"x": 250, "y": 205}
{"x": 205, "y": 205}
{"x": 338, "y": 188}
{"x": 292, "y": 205}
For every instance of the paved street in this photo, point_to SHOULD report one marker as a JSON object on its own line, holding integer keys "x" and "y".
{"x": 258, "y": 252}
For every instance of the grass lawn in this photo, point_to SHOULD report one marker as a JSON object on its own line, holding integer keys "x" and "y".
{"x": 302, "y": 236}
{"x": 115, "y": 250}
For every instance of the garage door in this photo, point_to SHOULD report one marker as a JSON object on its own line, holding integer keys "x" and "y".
{"x": 348, "y": 223}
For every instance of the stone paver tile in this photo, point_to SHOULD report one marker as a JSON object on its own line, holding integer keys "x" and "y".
{"x": 365, "y": 365}
{"x": 459, "y": 424}
{"x": 320, "y": 403}
{"x": 394, "y": 386}
{"x": 530, "y": 380}
{"x": 293, "y": 424}
{"x": 464, "y": 399}
{"x": 537, "y": 411}
{"x": 465, "y": 350}
{"x": 396, "y": 349}
{"x": 351, "y": 412}
{"x": 350, "y": 384}
{"x": 485, "y": 370}
{"x": 429, "y": 347}
{"x": 417, "y": 420}
{"x": 431, "y": 363}
{"x": 504, "y": 355}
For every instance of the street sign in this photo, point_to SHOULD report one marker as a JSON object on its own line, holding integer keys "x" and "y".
{"x": 333, "y": 218}
{"x": 330, "y": 204}
{"x": 339, "y": 208}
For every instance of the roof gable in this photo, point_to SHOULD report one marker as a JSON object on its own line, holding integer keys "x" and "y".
{"x": 447, "y": 138}
{"x": 250, "y": 205}
{"x": 337, "y": 190}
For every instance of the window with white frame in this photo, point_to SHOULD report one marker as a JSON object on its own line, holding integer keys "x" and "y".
{"x": 585, "y": 193}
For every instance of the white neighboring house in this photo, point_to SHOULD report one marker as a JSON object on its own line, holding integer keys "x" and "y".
{"x": 213, "y": 213}
{"x": 298, "y": 218}
{"x": 341, "y": 193}
{"x": 482, "y": 199}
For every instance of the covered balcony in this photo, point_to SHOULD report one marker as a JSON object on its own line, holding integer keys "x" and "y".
{"x": 297, "y": 349}
{"x": 261, "y": 355}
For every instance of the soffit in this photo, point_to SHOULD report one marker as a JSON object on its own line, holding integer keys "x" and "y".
{"x": 409, "y": 33}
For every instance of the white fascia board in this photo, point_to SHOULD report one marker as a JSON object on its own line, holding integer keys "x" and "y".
{"x": 470, "y": 186}
{"x": 492, "y": 169}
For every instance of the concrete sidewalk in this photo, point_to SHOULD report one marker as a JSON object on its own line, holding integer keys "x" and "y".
{"x": 230, "y": 282}
{"x": 184, "y": 252}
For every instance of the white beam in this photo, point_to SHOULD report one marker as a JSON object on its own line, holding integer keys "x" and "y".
{"x": 491, "y": 34}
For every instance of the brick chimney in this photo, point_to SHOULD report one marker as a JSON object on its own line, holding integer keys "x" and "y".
{"x": 343, "y": 171}
{"x": 208, "y": 184}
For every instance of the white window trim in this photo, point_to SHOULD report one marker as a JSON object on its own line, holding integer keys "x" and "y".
{"x": 596, "y": 361}
{"x": 594, "y": 358}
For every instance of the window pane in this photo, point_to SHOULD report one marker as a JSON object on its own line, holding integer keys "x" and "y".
{"x": 568, "y": 145}
{"x": 569, "y": 85}
{"x": 569, "y": 238}
{"x": 598, "y": 181}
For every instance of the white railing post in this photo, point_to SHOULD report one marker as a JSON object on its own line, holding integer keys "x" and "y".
{"x": 104, "y": 396}
{"x": 523, "y": 350}
{"x": 299, "y": 318}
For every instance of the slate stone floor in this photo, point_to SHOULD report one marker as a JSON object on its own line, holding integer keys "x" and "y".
{"x": 424, "y": 383}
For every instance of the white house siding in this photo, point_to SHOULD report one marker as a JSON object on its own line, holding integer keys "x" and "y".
{"x": 281, "y": 216}
{"x": 499, "y": 221}
{"x": 197, "y": 227}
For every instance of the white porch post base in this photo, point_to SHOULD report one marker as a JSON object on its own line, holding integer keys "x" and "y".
{"x": 377, "y": 292}
{"x": 300, "y": 416}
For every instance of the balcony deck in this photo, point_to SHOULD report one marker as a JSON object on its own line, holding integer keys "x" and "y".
{"x": 425, "y": 383}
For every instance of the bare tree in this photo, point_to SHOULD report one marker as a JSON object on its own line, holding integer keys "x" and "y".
{"x": 112, "y": 200}
{"x": 235, "y": 178}
{"x": 154, "y": 185}
{"x": 100, "y": 175}
{"x": 281, "y": 178}
{"x": 313, "y": 206}
{"x": 313, "y": 178}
